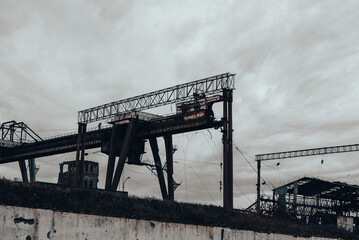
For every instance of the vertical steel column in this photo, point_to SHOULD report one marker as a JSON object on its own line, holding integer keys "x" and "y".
{"x": 83, "y": 149}
{"x": 32, "y": 170}
{"x": 157, "y": 159}
{"x": 80, "y": 149}
{"x": 23, "y": 171}
{"x": 113, "y": 148}
{"x": 258, "y": 203}
{"x": 123, "y": 155}
{"x": 227, "y": 151}
{"x": 230, "y": 151}
{"x": 169, "y": 159}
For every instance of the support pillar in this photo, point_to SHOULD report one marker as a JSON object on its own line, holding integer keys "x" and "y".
{"x": 123, "y": 155}
{"x": 157, "y": 159}
{"x": 295, "y": 196}
{"x": 227, "y": 150}
{"x": 258, "y": 203}
{"x": 22, "y": 166}
{"x": 169, "y": 160}
{"x": 80, "y": 151}
{"x": 113, "y": 147}
{"x": 32, "y": 170}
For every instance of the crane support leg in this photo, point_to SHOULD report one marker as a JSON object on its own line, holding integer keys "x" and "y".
{"x": 169, "y": 159}
{"x": 23, "y": 171}
{"x": 123, "y": 155}
{"x": 159, "y": 169}
{"x": 227, "y": 150}
{"x": 32, "y": 170}
{"x": 258, "y": 203}
{"x": 80, "y": 150}
{"x": 112, "y": 155}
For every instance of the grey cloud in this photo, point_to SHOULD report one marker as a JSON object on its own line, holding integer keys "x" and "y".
{"x": 296, "y": 64}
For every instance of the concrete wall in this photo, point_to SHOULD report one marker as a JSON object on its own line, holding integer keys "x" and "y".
{"x": 38, "y": 224}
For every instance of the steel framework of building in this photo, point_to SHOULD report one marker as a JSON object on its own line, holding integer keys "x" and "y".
{"x": 192, "y": 97}
{"x": 313, "y": 201}
{"x": 293, "y": 154}
{"x": 131, "y": 128}
{"x": 180, "y": 93}
{"x": 308, "y": 152}
{"x": 14, "y": 134}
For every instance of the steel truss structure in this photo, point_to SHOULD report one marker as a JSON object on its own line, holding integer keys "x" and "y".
{"x": 297, "y": 153}
{"x": 194, "y": 104}
{"x": 307, "y": 152}
{"x": 180, "y": 93}
{"x": 130, "y": 129}
{"x": 313, "y": 201}
{"x": 15, "y": 134}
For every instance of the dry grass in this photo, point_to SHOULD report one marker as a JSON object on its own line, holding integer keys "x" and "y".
{"x": 113, "y": 204}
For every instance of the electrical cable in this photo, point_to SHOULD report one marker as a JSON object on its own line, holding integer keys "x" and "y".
{"x": 203, "y": 184}
{"x": 255, "y": 170}
{"x": 275, "y": 168}
{"x": 242, "y": 191}
{"x": 137, "y": 172}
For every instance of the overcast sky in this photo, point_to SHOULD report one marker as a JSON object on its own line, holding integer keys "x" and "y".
{"x": 297, "y": 64}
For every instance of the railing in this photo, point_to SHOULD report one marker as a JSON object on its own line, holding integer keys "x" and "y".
{"x": 183, "y": 92}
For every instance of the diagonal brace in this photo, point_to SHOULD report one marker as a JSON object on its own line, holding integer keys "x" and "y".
{"x": 159, "y": 169}
{"x": 123, "y": 155}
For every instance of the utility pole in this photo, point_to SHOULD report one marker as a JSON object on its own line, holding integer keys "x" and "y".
{"x": 123, "y": 184}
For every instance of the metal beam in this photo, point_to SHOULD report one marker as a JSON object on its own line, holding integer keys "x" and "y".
{"x": 258, "y": 203}
{"x": 297, "y": 153}
{"x": 32, "y": 170}
{"x": 123, "y": 155}
{"x": 83, "y": 149}
{"x": 179, "y": 93}
{"x": 307, "y": 152}
{"x": 169, "y": 160}
{"x": 112, "y": 155}
{"x": 227, "y": 150}
{"x": 230, "y": 150}
{"x": 159, "y": 169}
{"x": 22, "y": 166}
{"x": 94, "y": 138}
{"x": 17, "y": 132}
{"x": 80, "y": 150}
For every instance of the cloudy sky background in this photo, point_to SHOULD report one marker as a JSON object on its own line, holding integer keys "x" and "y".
{"x": 297, "y": 64}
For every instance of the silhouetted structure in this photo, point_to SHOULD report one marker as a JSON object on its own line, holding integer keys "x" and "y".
{"x": 90, "y": 174}
{"x": 315, "y": 201}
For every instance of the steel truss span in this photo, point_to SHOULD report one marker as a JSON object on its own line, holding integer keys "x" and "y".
{"x": 308, "y": 152}
{"x": 183, "y": 92}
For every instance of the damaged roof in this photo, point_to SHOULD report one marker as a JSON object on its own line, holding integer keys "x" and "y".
{"x": 325, "y": 189}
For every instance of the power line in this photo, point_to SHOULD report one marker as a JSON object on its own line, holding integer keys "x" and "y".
{"x": 242, "y": 191}
{"x": 203, "y": 184}
{"x": 276, "y": 168}
{"x": 255, "y": 170}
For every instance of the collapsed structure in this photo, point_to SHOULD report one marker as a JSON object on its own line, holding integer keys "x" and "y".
{"x": 67, "y": 170}
{"x": 315, "y": 201}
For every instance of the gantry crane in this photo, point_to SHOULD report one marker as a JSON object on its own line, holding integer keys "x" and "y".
{"x": 131, "y": 126}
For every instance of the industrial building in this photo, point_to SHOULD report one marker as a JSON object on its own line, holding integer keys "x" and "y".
{"x": 315, "y": 201}
{"x": 90, "y": 174}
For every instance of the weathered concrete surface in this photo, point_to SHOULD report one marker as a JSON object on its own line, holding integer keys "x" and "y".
{"x": 38, "y": 224}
